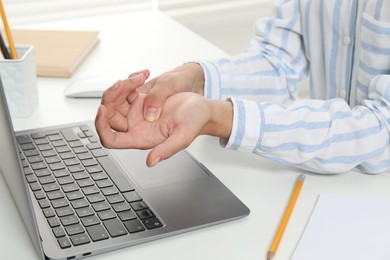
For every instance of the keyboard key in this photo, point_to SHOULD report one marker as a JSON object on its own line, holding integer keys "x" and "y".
{"x": 48, "y": 212}
{"x": 127, "y": 215}
{"x": 44, "y": 203}
{"x": 74, "y": 195}
{"x": 43, "y": 172}
{"x": 85, "y": 182}
{"x": 31, "y": 152}
{"x": 81, "y": 203}
{"x": 74, "y": 229}
{"x": 52, "y": 159}
{"x": 48, "y": 152}
{"x": 51, "y": 187}
{"x": 152, "y": 223}
{"x": 70, "y": 187}
{"x": 104, "y": 183}
{"x": 40, "y": 141}
{"x": 110, "y": 191}
{"x": 80, "y": 149}
{"x": 95, "y": 198}
{"x": 122, "y": 206}
{"x": 85, "y": 212}
{"x": 62, "y": 149}
{"x": 139, "y": 205}
{"x": 99, "y": 176}
{"x": 28, "y": 146}
{"x": 115, "y": 174}
{"x": 89, "y": 162}
{"x": 76, "y": 168}
{"x": 134, "y": 226}
{"x": 69, "y": 134}
{"x": 90, "y": 190}
{"x": 57, "y": 166}
{"x": 71, "y": 161}
{"x": 59, "y": 143}
{"x": 132, "y": 196}
{"x": 106, "y": 214}
{"x": 57, "y": 194}
{"x": 65, "y": 180}
{"x": 98, "y": 153}
{"x": 53, "y": 222}
{"x": 46, "y": 180}
{"x": 94, "y": 169}
{"x": 97, "y": 233}
{"x": 59, "y": 203}
{"x": 84, "y": 156}
{"x": 115, "y": 228}
{"x": 38, "y": 166}
{"x": 115, "y": 198}
{"x": 93, "y": 146}
{"x": 59, "y": 232}
{"x": 64, "y": 242}
{"x": 69, "y": 220}
{"x": 144, "y": 214}
{"x": 80, "y": 175}
{"x": 39, "y": 195}
{"x": 66, "y": 211}
{"x": 35, "y": 186}
{"x": 77, "y": 143}
{"x": 67, "y": 155}
{"x": 80, "y": 239}
{"x": 46, "y": 147}
{"x": 90, "y": 221}
{"x": 24, "y": 139}
{"x": 35, "y": 159}
{"x": 55, "y": 137}
{"x": 61, "y": 173}
{"x": 101, "y": 206}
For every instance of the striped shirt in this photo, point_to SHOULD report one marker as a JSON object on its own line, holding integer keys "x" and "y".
{"x": 344, "y": 48}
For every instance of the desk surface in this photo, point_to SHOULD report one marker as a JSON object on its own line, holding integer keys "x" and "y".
{"x": 130, "y": 42}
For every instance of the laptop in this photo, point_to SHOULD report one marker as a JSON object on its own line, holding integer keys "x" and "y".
{"x": 78, "y": 199}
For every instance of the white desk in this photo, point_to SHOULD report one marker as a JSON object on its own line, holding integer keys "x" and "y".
{"x": 130, "y": 42}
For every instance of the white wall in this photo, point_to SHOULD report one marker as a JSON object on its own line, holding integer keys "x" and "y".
{"x": 227, "y": 25}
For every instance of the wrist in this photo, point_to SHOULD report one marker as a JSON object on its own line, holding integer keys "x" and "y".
{"x": 221, "y": 119}
{"x": 195, "y": 73}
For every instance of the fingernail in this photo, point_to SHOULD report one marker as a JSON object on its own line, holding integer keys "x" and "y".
{"x": 151, "y": 114}
{"x": 137, "y": 78}
{"x": 117, "y": 84}
{"x": 155, "y": 161}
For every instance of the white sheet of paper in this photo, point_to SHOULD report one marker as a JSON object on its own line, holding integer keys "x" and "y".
{"x": 346, "y": 228}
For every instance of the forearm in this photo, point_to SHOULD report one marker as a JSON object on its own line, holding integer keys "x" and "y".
{"x": 221, "y": 119}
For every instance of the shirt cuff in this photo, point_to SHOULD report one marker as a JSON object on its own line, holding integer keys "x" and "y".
{"x": 247, "y": 129}
{"x": 212, "y": 80}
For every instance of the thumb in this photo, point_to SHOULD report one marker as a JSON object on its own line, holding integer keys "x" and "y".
{"x": 154, "y": 102}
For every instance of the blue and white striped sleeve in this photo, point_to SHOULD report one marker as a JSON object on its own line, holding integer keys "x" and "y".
{"x": 320, "y": 136}
{"x": 325, "y": 136}
{"x": 270, "y": 68}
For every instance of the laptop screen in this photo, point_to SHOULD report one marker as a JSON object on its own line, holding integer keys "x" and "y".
{"x": 11, "y": 169}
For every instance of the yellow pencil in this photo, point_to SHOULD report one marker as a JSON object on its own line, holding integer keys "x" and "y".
{"x": 286, "y": 217}
{"x": 11, "y": 43}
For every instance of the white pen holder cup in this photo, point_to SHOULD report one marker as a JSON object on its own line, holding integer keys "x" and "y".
{"x": 20, "y": 82}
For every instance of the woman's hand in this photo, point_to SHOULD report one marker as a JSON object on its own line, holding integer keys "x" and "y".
{"x": 120, "y": 122}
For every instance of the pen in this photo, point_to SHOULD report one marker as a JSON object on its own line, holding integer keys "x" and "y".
{"x": 286, "y": 217}
{"x": 4, "y": 49}
{"x": 11, "y": 44}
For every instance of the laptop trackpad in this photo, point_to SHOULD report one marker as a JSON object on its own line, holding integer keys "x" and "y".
{"x": 179, "y": 168}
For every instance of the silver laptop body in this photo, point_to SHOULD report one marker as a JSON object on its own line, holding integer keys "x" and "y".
{"x": 177, "y": 196}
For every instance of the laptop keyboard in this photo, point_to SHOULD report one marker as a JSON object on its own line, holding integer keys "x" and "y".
{"x": 80, "y": 190}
